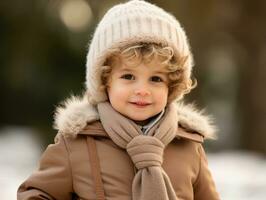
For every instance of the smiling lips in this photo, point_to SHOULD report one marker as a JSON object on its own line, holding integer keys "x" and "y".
{"x": 140, "y": 103}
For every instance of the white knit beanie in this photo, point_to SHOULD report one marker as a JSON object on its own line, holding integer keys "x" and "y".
{"x": 129, "y": 23}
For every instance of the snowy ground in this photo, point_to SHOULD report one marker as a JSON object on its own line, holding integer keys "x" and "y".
{"x": 19, "y": 150}
{"x": 238, "y": 175}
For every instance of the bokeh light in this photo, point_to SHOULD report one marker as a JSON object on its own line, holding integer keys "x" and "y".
{"x": 75, "y": 14}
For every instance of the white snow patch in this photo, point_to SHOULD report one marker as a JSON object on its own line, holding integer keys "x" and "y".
{"x": 239, "y": 175}
{"x": 20, "y": 151}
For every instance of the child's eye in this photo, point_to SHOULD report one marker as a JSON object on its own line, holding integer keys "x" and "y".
{"x": 156, "y": 79}
{"x": 128, "y": 76}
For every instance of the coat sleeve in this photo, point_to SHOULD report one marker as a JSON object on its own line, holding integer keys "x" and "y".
{"x": 53, "y": 178}
{"x": 204, "y": 187}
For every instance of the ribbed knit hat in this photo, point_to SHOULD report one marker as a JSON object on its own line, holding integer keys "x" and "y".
{"x": 129, "y": 23}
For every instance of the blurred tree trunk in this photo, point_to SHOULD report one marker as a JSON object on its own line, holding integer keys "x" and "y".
{"x": 251, "y": 32}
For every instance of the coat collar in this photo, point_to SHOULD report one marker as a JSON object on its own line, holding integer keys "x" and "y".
{"x": 76, "y": 116}
{"x": 96, "y": 129}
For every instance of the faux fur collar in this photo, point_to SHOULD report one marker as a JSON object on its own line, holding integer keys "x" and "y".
{"x": 75, "y": 113}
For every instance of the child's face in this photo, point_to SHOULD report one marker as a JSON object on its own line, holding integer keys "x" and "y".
{"x": 138, "y": 92}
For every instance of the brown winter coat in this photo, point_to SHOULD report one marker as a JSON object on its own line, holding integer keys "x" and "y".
{"x": 65, "y": 169}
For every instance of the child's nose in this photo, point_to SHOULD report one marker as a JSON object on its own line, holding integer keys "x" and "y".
{"x": 142, "y": 91}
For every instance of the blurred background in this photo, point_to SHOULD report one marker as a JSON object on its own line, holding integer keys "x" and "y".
{"x": 43, "y": 55}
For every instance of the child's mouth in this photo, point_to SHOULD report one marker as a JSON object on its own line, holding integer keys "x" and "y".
{"x": 141, "y": 103}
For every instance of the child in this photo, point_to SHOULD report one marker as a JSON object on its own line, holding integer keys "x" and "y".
{"x": 128, "y": 138}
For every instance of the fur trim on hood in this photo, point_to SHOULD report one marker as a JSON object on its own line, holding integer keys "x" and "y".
{"x": 75, "y": 113}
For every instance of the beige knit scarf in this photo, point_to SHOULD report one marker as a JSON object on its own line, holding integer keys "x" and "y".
{"x": 146, "y": 151}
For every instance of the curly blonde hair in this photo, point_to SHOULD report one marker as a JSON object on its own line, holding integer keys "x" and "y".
{"x": 179, "y": 83}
